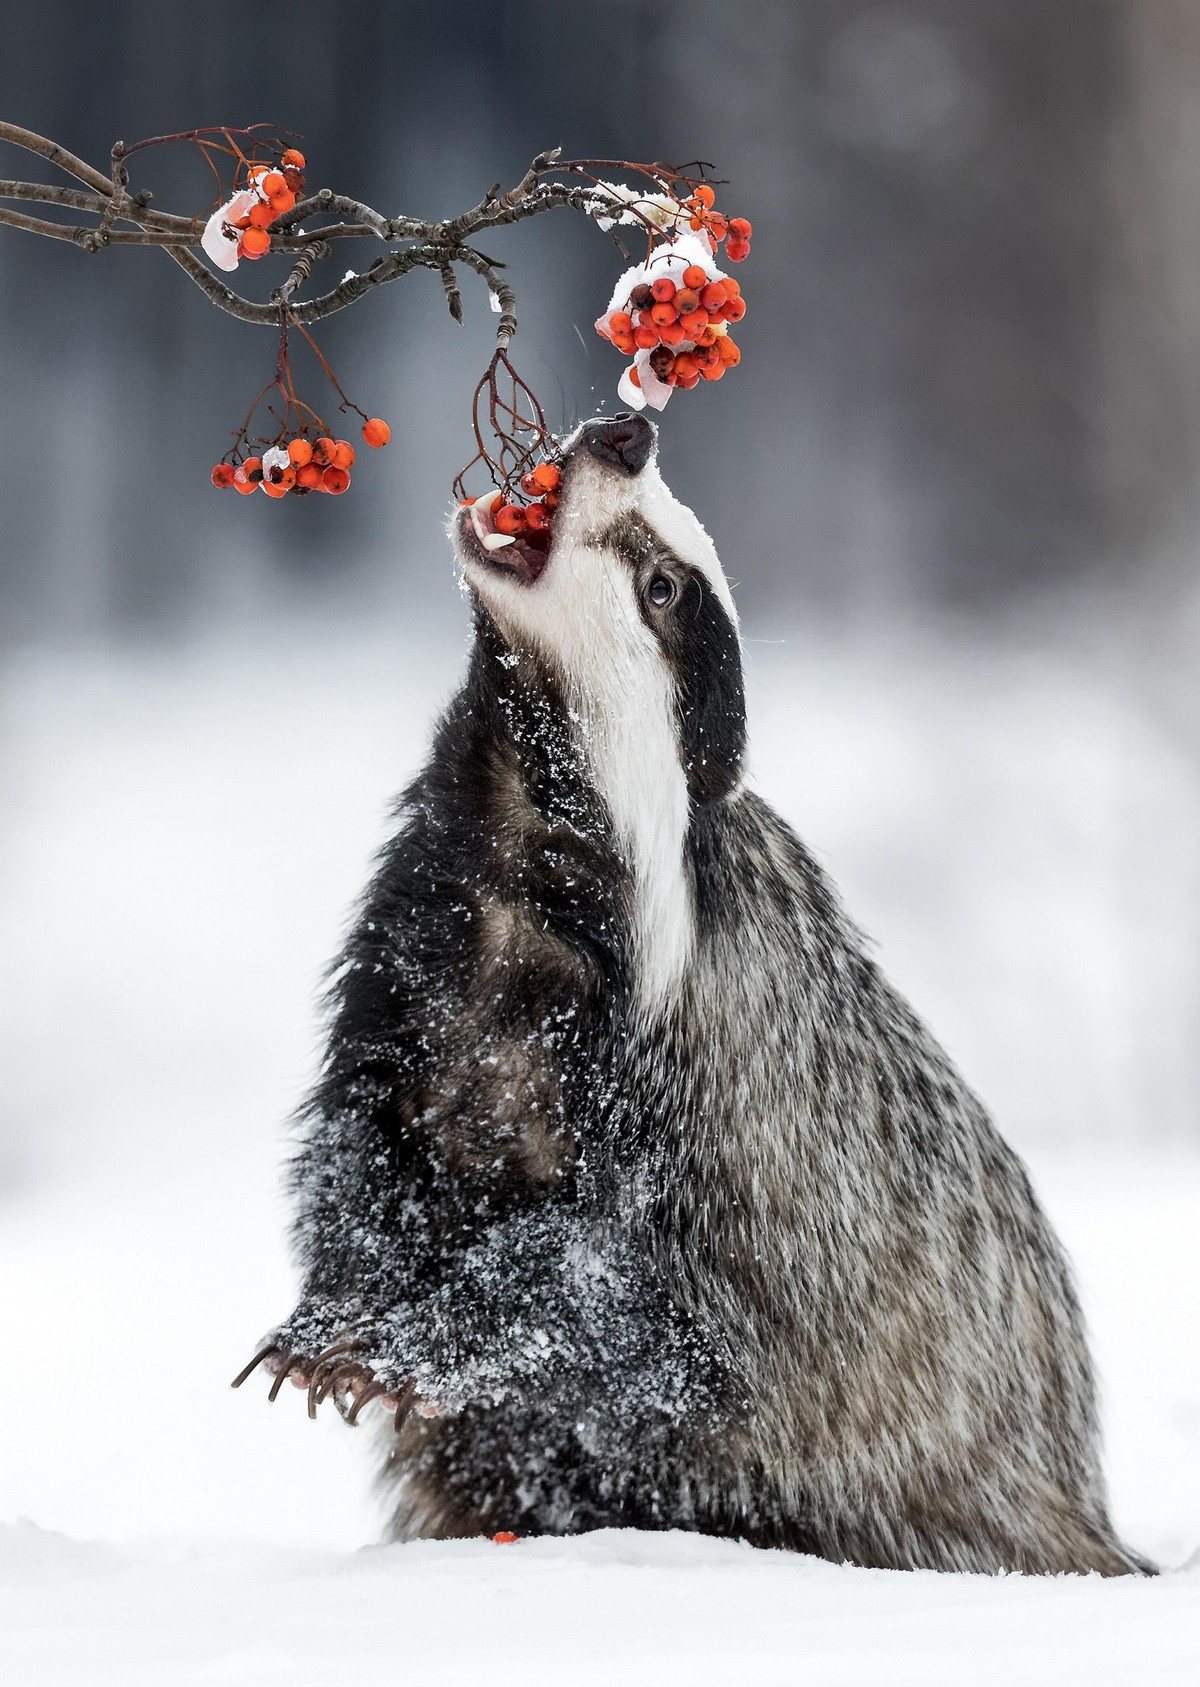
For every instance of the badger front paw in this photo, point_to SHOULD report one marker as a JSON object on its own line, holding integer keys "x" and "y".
{"x": 343, "y": 1363}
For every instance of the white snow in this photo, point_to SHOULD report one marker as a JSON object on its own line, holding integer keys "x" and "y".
{"x": 180, "y": 839}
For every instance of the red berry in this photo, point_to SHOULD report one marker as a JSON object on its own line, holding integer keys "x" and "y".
{"x": 537, "y": 518}
{"x": 661, "y": 315}
{"x": 222, "y": 475}
{"x": 713, "y": 296}
{"x": 736, "y": 250}
{"x": 293, "y": 157}
{"x": 343, "y": 454}
{"x": 645, "y": 337}
{"x": 620, "y": 322}
{"x": 694, "y": 322}
{"x": 504, "y": 1537}
{"x": 704, "y": 195}
{"x": 376, "y": 431}
{"x": 510, "y": 518}
{"x": 673, "y": 334}
{"x": 309, "y": 476}
{"x": 663, "y": 289}
{"x": 740, "y": 228}
{"x": 548, "y": 476}
{"x": 334, "y": 480}
{"x": 733, "y": 310}
{"x": 254, "y": 243}
{"x": 694, "y": 276}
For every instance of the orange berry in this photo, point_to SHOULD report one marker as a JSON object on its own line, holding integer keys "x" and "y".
{"x": 260, "y": 216}
{"x": 620, "y": 322}
{"x": 712, "y": 371}
{"x": 300, "y": 451}
{"x": 728, "y": 352}
{"x": 645, "y": 337}
{"x": 662, "y": 314}
{"x": 686, "y": 299}
{"x": 254, "y": 243}
{"x": 733, "y": 310}
{"x": 625, "y": 343}
{"x": 323, "y": 451}
{"x": 717, "y": 227}
{"x": 706, "y": 336}
{"x": 529, "y": 486}
{"x": 510, "y": 518}
{"x": 281, "y": 202}
{"x": 740, "y": 227}
{"x": 308, "y": 475}
{"x": 732, "y": 286}
{"x": 274, "y": 488}
{"x": 673, "y": 334}
{"x": 548, "y": 476}
{"x": 537, "y": 518}
{"x": 222, "y": 475}
{"x": 694, "y": 323}
{"x": 271, "y": 184}
{"x": 704, "y": 195}
{"x": 376, "y": 431}
{"x": 248, "y": 473}
{"x": 504, "y": 1537}
{"x": 334, "y": 480}
{"x": 293, "y": 157}
{"x": 635, "y": 378}
{"x": 736, "y": 250}
{"x": 664, "y": 289}
{"x": 343, "y": 454}
{"x": 685, "y": 365}
{"x": 713, "y": 296}
{"x": 694, "y": 276}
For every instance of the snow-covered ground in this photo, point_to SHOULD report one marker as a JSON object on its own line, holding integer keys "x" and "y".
{"x": 180, "y": 837}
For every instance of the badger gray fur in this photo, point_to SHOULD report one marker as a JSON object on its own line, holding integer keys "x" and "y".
{"x": 627, "y": 1168}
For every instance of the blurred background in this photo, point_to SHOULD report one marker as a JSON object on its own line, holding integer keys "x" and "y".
{"x": 954, "y": 478}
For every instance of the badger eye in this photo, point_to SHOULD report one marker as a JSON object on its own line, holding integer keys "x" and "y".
{"x": 661, "y": 590}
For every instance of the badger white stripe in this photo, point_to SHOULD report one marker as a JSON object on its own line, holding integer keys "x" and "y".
{"x": 583, "y": 615}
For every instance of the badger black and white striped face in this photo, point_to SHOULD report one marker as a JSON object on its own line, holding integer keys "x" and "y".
{"x": 631, "y": 609}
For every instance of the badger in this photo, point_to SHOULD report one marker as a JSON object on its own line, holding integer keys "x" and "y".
{"x": 630, "y": 1187}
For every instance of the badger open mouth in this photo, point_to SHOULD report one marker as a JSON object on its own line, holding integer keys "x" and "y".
{"x": 523, "y": 558}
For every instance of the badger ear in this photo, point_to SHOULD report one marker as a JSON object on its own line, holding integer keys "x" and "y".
{"x": 707, "y": 659}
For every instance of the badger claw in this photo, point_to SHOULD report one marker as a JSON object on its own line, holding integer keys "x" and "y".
{"x": 263, "y": 1353}
{"x": 288, "y": 1360}
{"x": 370, "y": 1392}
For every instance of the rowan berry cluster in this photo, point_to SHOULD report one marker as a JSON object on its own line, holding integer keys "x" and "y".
{"x": 504, "y": 515}
{"x": 716, "y": 226}
{"x": 302, "y": 464}
{"x": 672, "y": 313}
{"x": 265, "y": 190}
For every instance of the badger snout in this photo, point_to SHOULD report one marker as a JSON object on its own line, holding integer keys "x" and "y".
{"x": 624, "y": 442}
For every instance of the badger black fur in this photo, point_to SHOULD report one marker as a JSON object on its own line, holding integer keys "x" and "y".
{"x": 627, "y": 1167}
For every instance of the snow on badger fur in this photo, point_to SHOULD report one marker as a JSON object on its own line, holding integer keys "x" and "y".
{"x": 630, "y": 1186}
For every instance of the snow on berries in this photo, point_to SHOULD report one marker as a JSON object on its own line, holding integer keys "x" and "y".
{"x": 267, "y": 189}
{"x": 671, "y": 314}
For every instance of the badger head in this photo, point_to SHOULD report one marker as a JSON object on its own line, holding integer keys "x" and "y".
{"x": 630, "y": 610}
